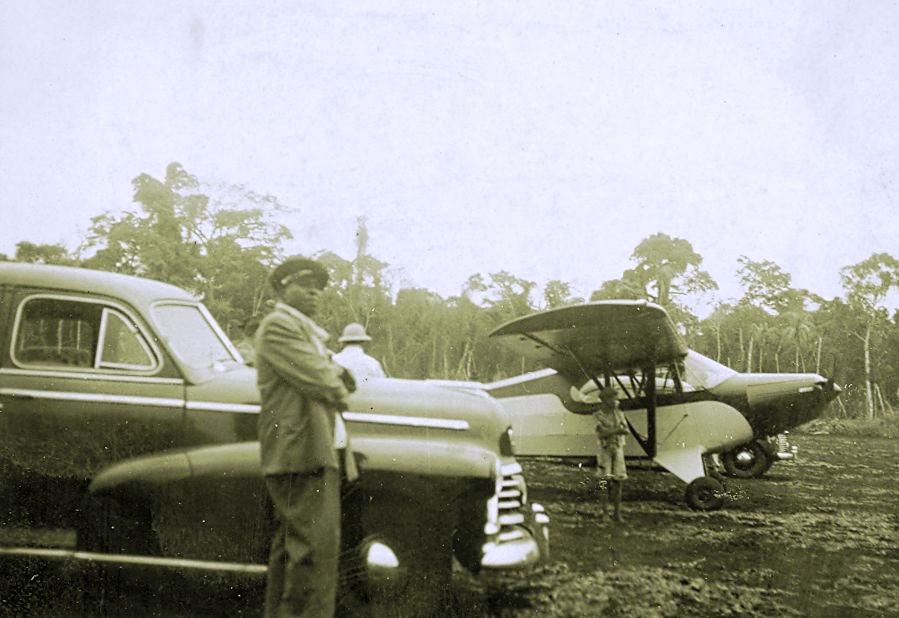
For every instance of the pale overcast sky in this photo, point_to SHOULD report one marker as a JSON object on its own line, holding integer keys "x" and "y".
{"x": 543, "y": 138}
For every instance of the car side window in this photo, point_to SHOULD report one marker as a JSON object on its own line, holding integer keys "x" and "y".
{"x": 122, "y": 347}
{"x": 63, "y": 332}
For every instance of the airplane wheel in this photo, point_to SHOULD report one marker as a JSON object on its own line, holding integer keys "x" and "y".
{"x": 719, "y": 477}
{"x": 751, "y": 460}
{"x": 705, "y": 494}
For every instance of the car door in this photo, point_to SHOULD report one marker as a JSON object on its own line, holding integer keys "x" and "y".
{"x": 83, "y": 383}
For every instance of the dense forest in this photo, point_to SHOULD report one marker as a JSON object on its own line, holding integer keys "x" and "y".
{"x": 220, "y": 242}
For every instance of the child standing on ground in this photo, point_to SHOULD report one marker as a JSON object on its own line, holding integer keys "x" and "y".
{"x": 611, "y": 429}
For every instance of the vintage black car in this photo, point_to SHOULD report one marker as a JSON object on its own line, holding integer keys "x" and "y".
{"x": 127, "y": 414}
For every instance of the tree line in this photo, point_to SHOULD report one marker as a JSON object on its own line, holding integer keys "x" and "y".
{"x": 220, "y": 241}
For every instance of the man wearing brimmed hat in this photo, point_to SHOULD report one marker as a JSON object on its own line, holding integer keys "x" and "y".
{"x": 611, "y": 429}
{"x": 302, "y": 394}
{"x": 353, "y": 355}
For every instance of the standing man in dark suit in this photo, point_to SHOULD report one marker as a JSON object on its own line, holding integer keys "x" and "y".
{"x": 303, "y": 392}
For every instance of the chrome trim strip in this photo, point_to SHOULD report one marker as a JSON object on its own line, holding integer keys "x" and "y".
{"x": 511, "y": 535}
{"x": 509, "y": 504}
{"x": 46, "y": 373}
{"x": 213, "y": 406}
{"x": 406, "y": 421}
{"x": 177, "y": 563}
{"x": 93, "y": 397}
{"x": 511, "y": 519}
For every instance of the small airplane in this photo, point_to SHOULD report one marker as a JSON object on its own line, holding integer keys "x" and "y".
{"x": 684, "y": 410}
{"x": 773, "y": 403}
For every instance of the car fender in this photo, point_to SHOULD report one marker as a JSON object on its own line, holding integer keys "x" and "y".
{"x": 234, "y": 460}
{"x": 422, "y": 457}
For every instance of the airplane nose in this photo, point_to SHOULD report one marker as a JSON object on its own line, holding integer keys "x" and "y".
{"x": 785, "y": 401}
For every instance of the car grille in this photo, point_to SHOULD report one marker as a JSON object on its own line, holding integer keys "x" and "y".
{"x": 506, "y": 509}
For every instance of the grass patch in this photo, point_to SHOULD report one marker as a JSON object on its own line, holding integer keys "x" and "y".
{"x": 881, "y": 427}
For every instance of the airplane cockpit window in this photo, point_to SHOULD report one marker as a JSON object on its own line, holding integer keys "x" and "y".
{"x": 701, "y": 372}
{"x": 633, "y": 385}
{"x": 665, "y": 382}
{"x": 697, "y": 372}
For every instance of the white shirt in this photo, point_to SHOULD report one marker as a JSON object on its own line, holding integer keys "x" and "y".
{"x": 360, "y": 365}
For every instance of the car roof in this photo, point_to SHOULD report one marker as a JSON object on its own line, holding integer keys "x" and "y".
{"x": 136, "y": 290}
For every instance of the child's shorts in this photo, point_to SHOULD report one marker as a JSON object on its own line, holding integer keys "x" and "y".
{"x": 610, "y": 462}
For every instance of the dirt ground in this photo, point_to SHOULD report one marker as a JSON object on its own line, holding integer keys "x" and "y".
{"x": 819, "y": 537}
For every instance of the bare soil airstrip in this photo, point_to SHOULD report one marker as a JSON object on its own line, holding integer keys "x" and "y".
{"x": 819, "y": 537}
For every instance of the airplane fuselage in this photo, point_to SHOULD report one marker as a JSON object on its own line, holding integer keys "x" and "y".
{"x": 776, "y": 402}
{"x": 549, "y": 419}
{"x": 541, "y": 426}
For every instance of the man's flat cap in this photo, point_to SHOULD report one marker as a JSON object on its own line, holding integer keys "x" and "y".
{"x": 298, "y": 265}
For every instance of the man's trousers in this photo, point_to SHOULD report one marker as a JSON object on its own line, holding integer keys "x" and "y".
{"x": 303, "y": 561}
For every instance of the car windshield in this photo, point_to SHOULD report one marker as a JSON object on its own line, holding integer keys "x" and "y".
{"x": 193, "y": 335}
{"x": 703, "y": 373}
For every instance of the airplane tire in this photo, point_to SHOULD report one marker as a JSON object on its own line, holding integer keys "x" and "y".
{"x": 705, "y": 494}
{"x": 750, "y": 460}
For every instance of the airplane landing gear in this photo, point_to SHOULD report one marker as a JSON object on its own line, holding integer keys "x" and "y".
{"x": 715, "y": 469}
{"x": 751, "y": 460}
{"x": 704, "y": 494}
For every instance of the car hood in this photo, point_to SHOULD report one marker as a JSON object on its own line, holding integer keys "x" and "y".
{"x": 386, "y": 396}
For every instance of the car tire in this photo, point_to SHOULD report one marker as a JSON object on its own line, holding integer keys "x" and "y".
{"x": 750, "y": 460}
{"x": 422, "y": 541}
{"x": 705, "y": 494}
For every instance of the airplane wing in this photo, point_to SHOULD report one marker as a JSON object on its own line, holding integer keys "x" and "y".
{"x": 596, "y": 337}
